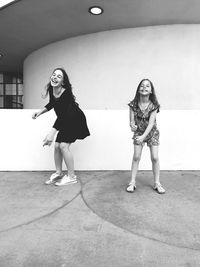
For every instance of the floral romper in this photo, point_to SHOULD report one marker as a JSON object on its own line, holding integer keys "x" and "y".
{"x": 141, "y": 118}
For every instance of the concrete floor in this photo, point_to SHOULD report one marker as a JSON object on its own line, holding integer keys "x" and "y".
{"x": 95, "y": 223}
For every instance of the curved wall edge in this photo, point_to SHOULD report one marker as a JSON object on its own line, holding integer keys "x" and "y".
{"x": 106, "y": 67}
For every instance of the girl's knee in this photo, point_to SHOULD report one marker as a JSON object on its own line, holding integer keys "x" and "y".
{"x": 154, "y": 159}
{"x": 57, "y": 146}
{"x": 64, "y": 146}
{"x": 136, "y": 158}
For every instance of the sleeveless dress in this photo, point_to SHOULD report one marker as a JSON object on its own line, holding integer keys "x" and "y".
{"x": 141, "y": 118}
{"x": 71, "y": 121}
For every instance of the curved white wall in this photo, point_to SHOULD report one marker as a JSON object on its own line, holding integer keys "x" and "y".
{"x": 105, "y": 68}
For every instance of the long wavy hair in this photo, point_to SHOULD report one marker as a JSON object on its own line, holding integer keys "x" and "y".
{"x": 152, "y": 96}
{"x": 66, "y": 84}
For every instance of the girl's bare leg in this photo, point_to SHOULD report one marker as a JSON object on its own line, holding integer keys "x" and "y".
{"x": 68, "y": 158}
{"x": 58, "y": 158}
{"x": 155, "y": 163}
{"x": 156, "y": 169}
{"x": 135, "y": 162}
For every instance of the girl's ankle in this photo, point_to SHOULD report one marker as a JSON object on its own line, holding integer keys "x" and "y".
{"x": 71, "y": 174}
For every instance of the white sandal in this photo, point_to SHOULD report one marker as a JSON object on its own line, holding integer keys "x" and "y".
{"x": 158, "y": 187}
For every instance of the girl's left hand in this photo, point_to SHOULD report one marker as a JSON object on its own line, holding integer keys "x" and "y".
{"x": 133, "y": 127}
{"x": 49, "y": 138}
{"x": 47, "y": 141}
{"x": 140, "y": 139}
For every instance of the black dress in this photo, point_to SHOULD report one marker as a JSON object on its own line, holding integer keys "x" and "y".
{"x": 71, "y": 121}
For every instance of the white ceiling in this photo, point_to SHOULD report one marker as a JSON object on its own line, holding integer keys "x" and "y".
{"x": 30, "y": 24}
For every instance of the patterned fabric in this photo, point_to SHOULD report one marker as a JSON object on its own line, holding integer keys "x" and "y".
{"x": 141, "y": 118}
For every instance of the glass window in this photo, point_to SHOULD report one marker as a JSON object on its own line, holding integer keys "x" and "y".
{"x": 20, "y": 101}
{"x": 8, "y": 101}
{"x": 19, "y": 80}
{"x": 1, "y": 102}
{"x": 8, "y": 78}
{"x": 11, "y": 91}
{"x": 20, "y": 89}
{"x": 1, "y": 78}
{"x": 1, "y": 89}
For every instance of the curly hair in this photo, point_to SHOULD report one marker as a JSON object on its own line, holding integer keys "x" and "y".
{"x": 152, "y": 96}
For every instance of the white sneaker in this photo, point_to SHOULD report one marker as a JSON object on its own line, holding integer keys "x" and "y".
{"x": 53, "y": 178}
{"x": 158, "y": 187}
{"x": 67, "y": 180}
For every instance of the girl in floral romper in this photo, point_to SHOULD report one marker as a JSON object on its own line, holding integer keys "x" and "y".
{"x": 143, "y": 110}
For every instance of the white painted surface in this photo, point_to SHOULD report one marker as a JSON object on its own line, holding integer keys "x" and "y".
{"x": 105, "y": 68}
{"x": 108, "y": 148}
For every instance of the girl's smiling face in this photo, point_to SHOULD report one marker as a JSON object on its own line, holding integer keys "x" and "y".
{"x": 57, "y": 79}
{"x": 145, "y": 88}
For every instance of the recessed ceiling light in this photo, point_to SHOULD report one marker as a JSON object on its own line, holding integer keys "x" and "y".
{"x": 5, "y": 2}
{"x": 1, "y": 55}
{"x": 96, "y": 10}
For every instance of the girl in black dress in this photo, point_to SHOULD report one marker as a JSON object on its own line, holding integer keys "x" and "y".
{"x": 70, "y": 124}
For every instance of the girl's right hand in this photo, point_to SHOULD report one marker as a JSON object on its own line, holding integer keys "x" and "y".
{"x": 133, "y": 127}
{"x": 35, "y": 115}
